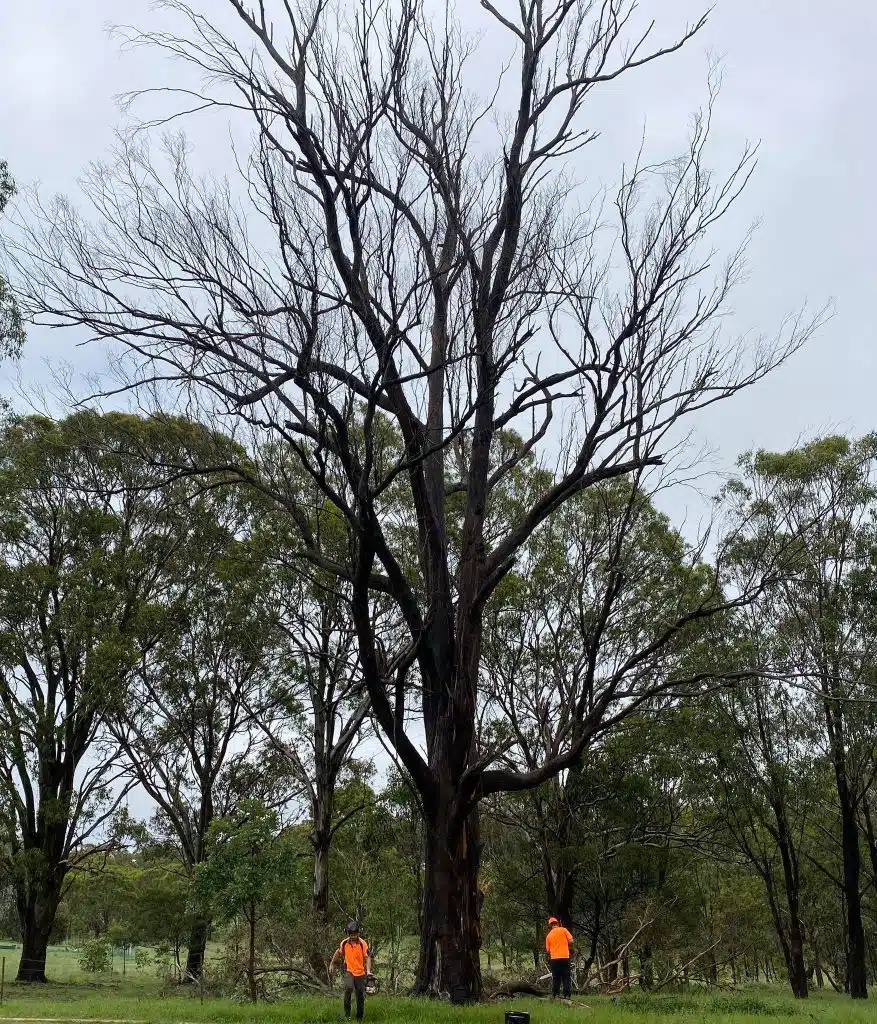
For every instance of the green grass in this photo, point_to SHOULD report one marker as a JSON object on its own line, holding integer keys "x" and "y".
{"x": 112, "y": 1000}
{"x": 62, "y": 966}
{"x": 140, "y": 995}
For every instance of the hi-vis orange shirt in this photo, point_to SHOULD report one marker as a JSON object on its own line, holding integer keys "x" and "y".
{"x": 354, "y": 953}
{"x": 557, "y": 942}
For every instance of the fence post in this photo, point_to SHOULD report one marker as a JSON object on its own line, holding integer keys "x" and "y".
{"x": 2, "y": 979}
{"x": 201, "y": 980}
{"x": 124, "y": 960}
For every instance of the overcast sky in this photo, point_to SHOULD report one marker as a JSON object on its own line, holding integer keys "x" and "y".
{"x": 799, "y": 77}
{"x": 800, "y": 81}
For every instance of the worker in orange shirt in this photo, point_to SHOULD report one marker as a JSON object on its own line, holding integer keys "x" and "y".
{"x": 558, "y": 945}
{"x": 357, "y": 959}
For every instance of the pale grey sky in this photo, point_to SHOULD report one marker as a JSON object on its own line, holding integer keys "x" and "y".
{"x": 800, "y": 79}
{"x": 800, "y": 76}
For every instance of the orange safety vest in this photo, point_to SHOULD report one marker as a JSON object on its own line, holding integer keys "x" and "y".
{"x": 354, "y": 953}
{"x": 557, "y": 943}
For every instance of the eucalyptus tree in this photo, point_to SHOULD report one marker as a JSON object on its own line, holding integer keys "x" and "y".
{"x": 11, "y": 327}
{"x": 761, "y": 785}
{"x": 575, "y": 626}
{"x": 186, "y": 723}
{"x": 93, "y": 551}
{"x": 817, "y": 504}
{"x": 321, "y": 708}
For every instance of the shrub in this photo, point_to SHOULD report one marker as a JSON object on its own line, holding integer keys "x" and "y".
{"x": 94, "y": 956}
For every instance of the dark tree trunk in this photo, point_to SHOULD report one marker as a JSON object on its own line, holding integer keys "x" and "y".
{"x": 560, "y": 884}
{"x": 329, "y": 755}
{"x": 450, "y": 940}
{"x": 797, "y": 966}
{"x": 251, "y": 956}
{"x": 321, "y": 840}
{"x": 856, "y": 967}
{"x": 856, "y": 962}
{"x": 778, "y": 924}
{"x": 595, "y": 939}
{"x": 320, "y": 901}
{"x": 197, "y": 947}
{"x": 793, "y": 949}
{"x": 32, "y": 965}
{"x": 856, "y": 983}
{"x": 36, "y": 914}
{"x": 38, "y": 889}
{"x": 197, "y": 944}
{"x": 560, "y": 878}
{"x": 646, "y": 968}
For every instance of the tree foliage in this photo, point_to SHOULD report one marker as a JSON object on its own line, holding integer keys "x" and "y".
{"x": 11, "y": 326}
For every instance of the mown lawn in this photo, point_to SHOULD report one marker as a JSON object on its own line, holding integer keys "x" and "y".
{"x": 113, "y": 1001}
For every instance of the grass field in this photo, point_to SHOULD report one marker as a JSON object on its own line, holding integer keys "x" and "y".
{"x": 62, "y": 966}
{"x": 113, "y": 1002}
{"x": 139, "y": 996}
{"x": 61, "y": 1003}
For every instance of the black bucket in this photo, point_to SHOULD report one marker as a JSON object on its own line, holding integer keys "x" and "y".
{"x": 517, "y": 1017}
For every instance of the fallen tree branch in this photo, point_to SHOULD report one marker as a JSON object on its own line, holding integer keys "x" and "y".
{"x": 676, "y": 975}
{"x": 519, "y": 988}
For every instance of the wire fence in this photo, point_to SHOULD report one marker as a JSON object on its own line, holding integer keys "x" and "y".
{"x": 134, "y": 970}
{"x": 146, "y": 972}
{"x": 158, "y": 972}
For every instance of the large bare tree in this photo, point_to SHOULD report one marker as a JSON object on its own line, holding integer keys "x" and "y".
{"x": 403, "y": 248}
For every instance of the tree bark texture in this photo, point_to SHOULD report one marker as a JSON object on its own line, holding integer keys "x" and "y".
{"x": 37, "y": 902}
{"x": 450, "y": 941}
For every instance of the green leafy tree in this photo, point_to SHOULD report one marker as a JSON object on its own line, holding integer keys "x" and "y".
{"x": 185, "y": 724}
{"x": 11, "y": 327}
{"x": 812, "y": 510}
{"x": 94, "y": 552}
{"x": 607, "y": 616}
{"x": 99, "y": 896}
{"x": 375, "y": 880}
{"x": 246, "y": 873}
{"x": 322, "y": 708}
{"x": 95, "y": 957}
{"x": 758, "y": 773}
{"x": 161, "y": 914}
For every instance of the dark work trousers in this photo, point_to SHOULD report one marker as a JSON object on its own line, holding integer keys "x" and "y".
{"x": 560, "y": 975}
{"x": 353, "y": 984}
